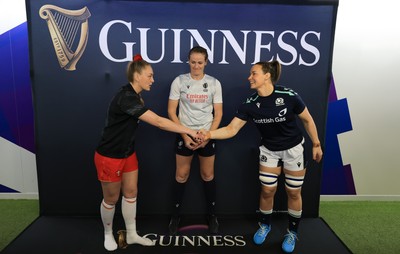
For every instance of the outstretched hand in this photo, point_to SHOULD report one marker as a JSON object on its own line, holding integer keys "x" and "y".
{"x": 198, "y": 138}
{"x": 193, "y": 141}
{"x": 205, "y": 134}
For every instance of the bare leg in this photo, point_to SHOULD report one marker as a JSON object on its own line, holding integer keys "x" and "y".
{"x": 267, "y": 192}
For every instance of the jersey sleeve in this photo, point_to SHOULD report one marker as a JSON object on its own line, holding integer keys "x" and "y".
{"x": 174, "y": 93}
{"x": 218, "y": 92}
{"x": 299, "y": 105}
{"x": 242, "y": 112}
{"x": 131, "y": 104}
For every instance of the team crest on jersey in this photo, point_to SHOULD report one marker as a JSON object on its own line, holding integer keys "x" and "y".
{"x": 263, "y": 158}
{"x": 279, "y": 101}
{"x": 258, "y": 104}
{"x": 205, "y": 85}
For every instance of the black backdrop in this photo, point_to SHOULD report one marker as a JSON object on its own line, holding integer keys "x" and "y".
{"x": 70, "y": 106}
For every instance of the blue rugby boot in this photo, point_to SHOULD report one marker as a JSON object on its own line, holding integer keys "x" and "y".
{"x": 289, "y": 242}
{"x": 261, "y": 234}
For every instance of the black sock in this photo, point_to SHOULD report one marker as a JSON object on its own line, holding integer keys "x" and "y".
{"x": 265, "y": 217}
{"x": 210, "y": 191}
{"x": 294, "y": 220}
{"x": 178, "y": 191}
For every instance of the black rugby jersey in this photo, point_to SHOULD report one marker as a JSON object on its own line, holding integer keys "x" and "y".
{"x": 275, "y": 117}
{"x": 118, "y": 136}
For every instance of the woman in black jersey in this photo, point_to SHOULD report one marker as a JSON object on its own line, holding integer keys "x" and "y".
{"x": 115, "y": 157}
{"x": 274, "y": 109}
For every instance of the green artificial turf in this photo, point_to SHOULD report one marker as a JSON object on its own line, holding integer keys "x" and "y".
{"x": 16, "y": 215}
{"x": 365, "y": 226}
{"x": 371, "y": 227}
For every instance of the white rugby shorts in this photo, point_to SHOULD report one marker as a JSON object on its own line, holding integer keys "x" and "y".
{"x": 291, "y": 159}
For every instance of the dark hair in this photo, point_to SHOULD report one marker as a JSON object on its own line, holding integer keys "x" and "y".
{"x": 273, "y": 67}
{"x": 198, "y": 49}
{"x": 136, "y": 65}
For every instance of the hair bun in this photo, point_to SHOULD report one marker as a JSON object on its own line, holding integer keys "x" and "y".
{"x": 137, "y": 57}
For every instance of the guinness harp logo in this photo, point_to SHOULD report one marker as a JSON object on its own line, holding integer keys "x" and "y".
{"x": 64, "y": 26}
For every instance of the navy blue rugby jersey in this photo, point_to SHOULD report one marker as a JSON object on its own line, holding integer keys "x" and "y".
{"x": 118, "y": 136}
{"x": 275, "y": 117}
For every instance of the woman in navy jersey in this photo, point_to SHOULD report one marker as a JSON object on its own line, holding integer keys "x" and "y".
{"x": 274, "y": 110}
{"x": 115, "y": 156}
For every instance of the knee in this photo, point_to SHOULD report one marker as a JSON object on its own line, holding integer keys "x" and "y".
{"x": 111, "y": 200}
{"x": 182, "y": 178}
{"x": 267, "y": 192}
{"x": 111, "y": 197}
{"x": 207, "y": 176}
{"x": 293, "y": 194}
{"x": 130, "y": 193}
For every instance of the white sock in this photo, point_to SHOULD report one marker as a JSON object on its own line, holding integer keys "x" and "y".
{"x": 109, "y": 242}
{"x": 107, "y": 216}
{"x": 128, "y": 207}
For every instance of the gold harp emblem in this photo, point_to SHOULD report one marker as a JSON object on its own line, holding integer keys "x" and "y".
{"x": 64, "y": 26}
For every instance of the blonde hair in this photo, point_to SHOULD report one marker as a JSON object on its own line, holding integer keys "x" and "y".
{"x": 136, "y": 65}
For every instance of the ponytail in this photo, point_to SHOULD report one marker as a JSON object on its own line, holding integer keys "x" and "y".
{"x": 136, "y": 65}
{"x": 274, "y": 68}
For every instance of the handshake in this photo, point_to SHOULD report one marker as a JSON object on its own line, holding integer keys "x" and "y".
{"x": 197, "y": 141}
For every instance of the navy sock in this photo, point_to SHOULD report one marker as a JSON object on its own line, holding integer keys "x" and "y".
{"x": 210, "y": 191}
{"x": 178, "y": 191}
{"x": 264, "y": 217}
{"x": 294, "y": 220}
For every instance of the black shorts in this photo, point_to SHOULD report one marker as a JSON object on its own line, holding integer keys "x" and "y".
{"x": 207, "y": 151}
